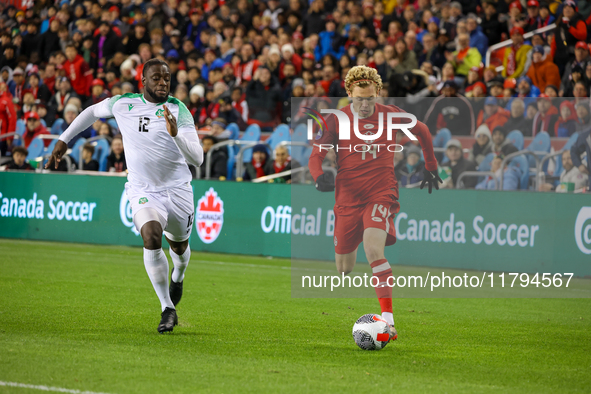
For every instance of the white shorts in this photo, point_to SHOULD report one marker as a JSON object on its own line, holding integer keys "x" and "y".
{"x": 174, "y": 206}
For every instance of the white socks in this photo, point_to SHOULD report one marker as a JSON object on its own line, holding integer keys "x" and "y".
{"x": 389, "y": 317}
{"x": 156, "y": 265}
{"x": 180, "y": 264}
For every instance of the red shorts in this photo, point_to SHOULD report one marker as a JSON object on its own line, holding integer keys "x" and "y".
{"x": 351, "y": 222}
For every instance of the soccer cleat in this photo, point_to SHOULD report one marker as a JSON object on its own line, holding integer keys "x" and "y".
{"x": 168, "y": 321}
{"x": 394, "y": 335}
{"x": 175, "y": 290}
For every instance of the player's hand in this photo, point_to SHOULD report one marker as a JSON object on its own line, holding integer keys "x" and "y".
{"x": 58, "y": 152}
{"x": 432, "y": 178}
{"x": 170, "y": 122}
{"x": 325, "y": 182}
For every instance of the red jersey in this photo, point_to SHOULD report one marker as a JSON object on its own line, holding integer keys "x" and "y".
{"x": 363, "y": 176}
{"x": 79, "y": 74}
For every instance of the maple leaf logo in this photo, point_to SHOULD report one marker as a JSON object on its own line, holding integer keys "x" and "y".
{"x": 210, "y": 216}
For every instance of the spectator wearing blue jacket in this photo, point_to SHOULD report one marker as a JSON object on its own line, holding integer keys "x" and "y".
{"x": 329, "y": 42}
{"x": 478, "y": 39}
{"x": 511, "y": 176}
{"x": 410, "y": 170}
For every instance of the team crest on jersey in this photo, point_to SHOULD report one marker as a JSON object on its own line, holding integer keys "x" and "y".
{"x": 160, "y": 113}
{"x": 210, "y": 216}
{"x": 143, "y": 200}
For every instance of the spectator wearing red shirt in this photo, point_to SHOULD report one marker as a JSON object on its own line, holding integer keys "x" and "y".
{"x": 493, "y": 115}
{"x": 77, "y": 71}
{"x": 34, "y": 129}
{"x": 7, "y": 117}
{"x": 49, "y": 77}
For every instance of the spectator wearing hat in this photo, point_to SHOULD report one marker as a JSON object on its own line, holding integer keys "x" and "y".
{"x": 452, "y": 111}
{"x": 77, "y": 71}
{"x": 493, "y": 115}
{"x": 465, "y": 57}
{"x": 525, "y": 88}
{"x": 515, "y": 55}
{"x": 570, "y": 29}
{"x": 410, "y": 170}
{"x": 543, "y": 71}
{"x": 576, "y": 75}
{"x": 219, "y": 158}
{"x": 534, "y": 20}
{"x": 546, "y": 117}
{"x": 500, "y": 144}
{"x": 264, "y": 100}
{"x": 17, "y": 85}
{"x": 105, "y": 44}
{"x": 34, "y": 129}
{"x": 518, "y": 120}
{"x": 256, "y": 168}
{"x": 98, "y": 93}
{"x": 478, "y": 39}
{"x": 581, "y": 60}
{"x": 482, "y": 144}
{"x": 18, "y": 162}
{"x": 566, "y": 124}
{"x": 459, "y": 164}
{"x": 511, "y": 176}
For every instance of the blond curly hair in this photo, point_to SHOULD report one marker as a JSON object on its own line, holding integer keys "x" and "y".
{"x": 366, "y": 75}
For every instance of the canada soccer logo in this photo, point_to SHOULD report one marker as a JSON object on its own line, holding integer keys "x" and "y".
{"x": 210, "y": 216}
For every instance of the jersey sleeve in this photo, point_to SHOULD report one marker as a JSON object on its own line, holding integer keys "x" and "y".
{"x": 104, "y": 109}
{"x": 185, "y": 122}
{"x": 324, "y": 140}
{"x": 421, "y": 131}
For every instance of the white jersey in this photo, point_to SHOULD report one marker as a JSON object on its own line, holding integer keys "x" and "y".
{"x": 153, "y": 160}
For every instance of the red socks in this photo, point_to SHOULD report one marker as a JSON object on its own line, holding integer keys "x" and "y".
{"x": 382, "y": 270}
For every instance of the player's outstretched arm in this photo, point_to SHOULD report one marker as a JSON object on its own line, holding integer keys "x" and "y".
{"x": 184, "y": 136}
{"x": 430, "y": 175}
{"x": 80, "y": 123}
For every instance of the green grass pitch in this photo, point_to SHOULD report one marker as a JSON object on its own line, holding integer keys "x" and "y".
{"x": 84, "y": 317}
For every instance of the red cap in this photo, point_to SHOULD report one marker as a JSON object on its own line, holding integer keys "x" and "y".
{"x": 227, "y": 65}
{"x": 97, "y": 82}
{"x": 533, "y": 3}
{"x": 582, "y": 45}
{"x": 194, "y": 11}
{"x": 308, "y": 55}
{"x": 32, "y": 115}
{"x": 516, "y": 4}
{"x": 297, "y": 36}
{"x": 510, "y": 83}
{"x": 479, "y": 83}
{"x": 208, "y": 50}
{"x": 544, "y": 96}
{"x": 517, "y": 30}
{"x": 114, "y": 8}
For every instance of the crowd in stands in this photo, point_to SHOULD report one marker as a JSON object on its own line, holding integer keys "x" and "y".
{"x": 241, "y": 62}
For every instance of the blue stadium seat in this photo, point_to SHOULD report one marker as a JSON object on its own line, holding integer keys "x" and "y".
{"x": 300, "y": 134}
{"x": 114, "y": 126}
{"x": 486, "y": 162}
{"x": 571, "y": 141}
{"x": 516, "y": 138}
{"x": 75, "y": 154}
{"x": 36, "y": 148}
{"x": 280, "y": 134}
{"x": 20, "y": 130}
{"x": 521, "y": 163}
{"x": 56, "y": 129}
{"x": 232, "y": 150}
{"x": 252, "y": 133}
{"x": 101, "y": 151}
{"x": 441, "y": 138}
{"x": 541, "y": 143}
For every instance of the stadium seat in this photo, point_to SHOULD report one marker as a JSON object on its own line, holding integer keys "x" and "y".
{"x": 114, "y": 126}
{"x": 521, "y": 163}
{"x": 20, "y": 130}
{"x": 75, "y": 154}
{"x": 253, "y": 134}
{"x": 56, "y": 129}
{"x": 441, "y": 138}
{"x": 571, "y": 141}
{"x": 486, "y": 162}
{"x": 101, "y": 151}
{"x": 516, "y": 138}
{"x": 36, "y": 148}
{"x": 281, "y": 133}
{"x": 232, "y": 150}
{"x": 300, "y": 134}
{"x": 541, "y": 143}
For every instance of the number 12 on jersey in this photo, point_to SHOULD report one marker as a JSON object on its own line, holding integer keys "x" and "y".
{"x": 143, "y": 125}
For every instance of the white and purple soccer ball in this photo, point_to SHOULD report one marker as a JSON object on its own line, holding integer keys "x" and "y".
{"x": 371, "y": 332}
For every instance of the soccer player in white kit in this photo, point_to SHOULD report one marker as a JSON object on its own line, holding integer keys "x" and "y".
{"x": 159, "y": 137}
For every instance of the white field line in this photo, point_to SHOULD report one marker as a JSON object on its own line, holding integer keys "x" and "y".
{"x": 46, "y": 388}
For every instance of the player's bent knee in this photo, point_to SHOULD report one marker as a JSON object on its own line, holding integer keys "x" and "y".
{"x": 374, "y": 253}
{"x": 152, "y": 235}
{"x": 178, "y": 247}
{"x": 344, "y": 271}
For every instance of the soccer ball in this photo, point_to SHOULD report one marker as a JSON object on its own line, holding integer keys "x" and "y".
{"x": 371, "y": 332}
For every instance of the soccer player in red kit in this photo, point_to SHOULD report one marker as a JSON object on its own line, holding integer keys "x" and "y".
{"x": 366, "y": 187}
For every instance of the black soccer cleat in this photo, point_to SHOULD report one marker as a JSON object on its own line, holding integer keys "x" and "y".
{"x": 175, "y": 290}
{"x": 168, "y": 321}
